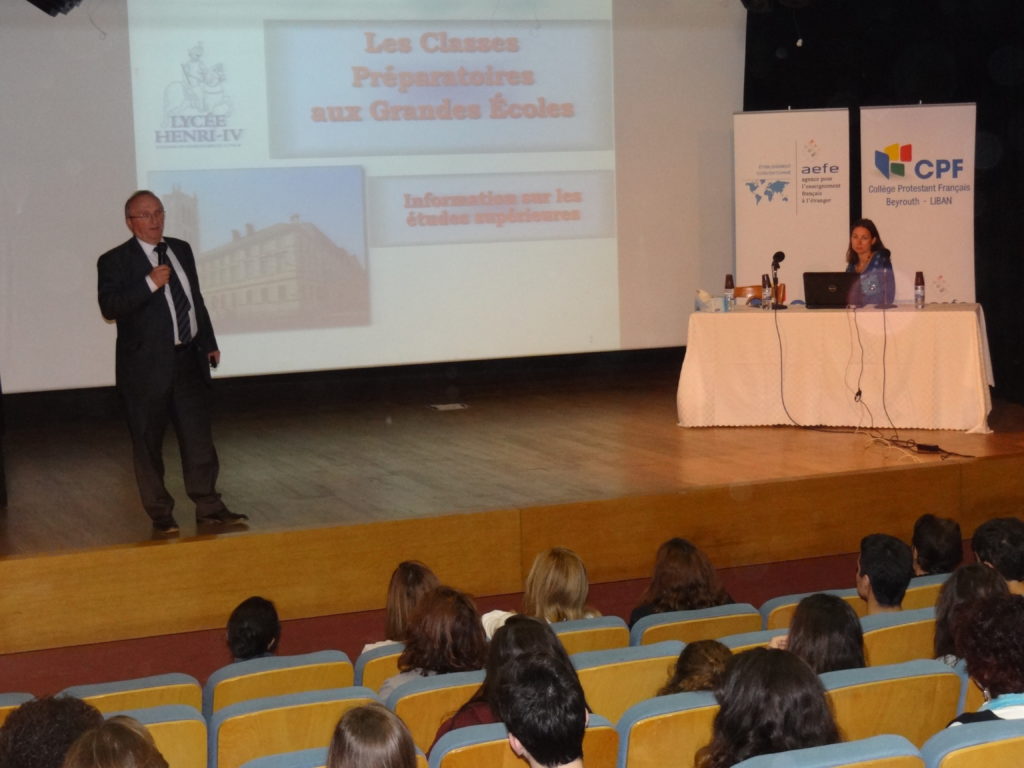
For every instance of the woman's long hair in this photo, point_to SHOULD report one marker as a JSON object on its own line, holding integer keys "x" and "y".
{"x": 410, "y": 581}
{"x": 964, "y": 586}
{"x": 445, "y": 634}
{"x": 683, "y": 580}
{"x": 770, "y": 701}
{"x": 557, "y": 586}
{"x": 869, "y": 225}
{"x": 826, "y": 633}
{"x": 371, "y": 736}
{"x": 700, "y": 667}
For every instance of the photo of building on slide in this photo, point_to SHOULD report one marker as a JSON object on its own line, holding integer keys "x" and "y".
{"x": 271, "y": 256}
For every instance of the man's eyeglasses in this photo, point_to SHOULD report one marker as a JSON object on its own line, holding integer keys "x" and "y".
{"x": 149, "y": 216}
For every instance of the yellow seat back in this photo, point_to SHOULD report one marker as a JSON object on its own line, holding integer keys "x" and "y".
{"x": 901, "y": 642}
{"x": 281, "y": 681}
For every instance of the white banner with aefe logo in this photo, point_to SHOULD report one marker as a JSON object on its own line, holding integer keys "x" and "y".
{"x": 792, "y": 179}
{"x": 917, "y": 185}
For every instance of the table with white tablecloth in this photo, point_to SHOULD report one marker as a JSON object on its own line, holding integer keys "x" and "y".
{"x": 923, "y": 368}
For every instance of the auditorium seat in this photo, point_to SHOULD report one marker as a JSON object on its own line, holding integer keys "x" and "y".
{"x": 666, "y": 730}
{"x": 887, "y": 751}
{"x": 10, "y": 702}
{"x": 616, "y": 679}
{"x": 890, "y": 638}
{"x": 745, "y": 641}
{"x": 914, "y": 699}
{"x": 179, "y": 731}
{"x": 376, "y": 665}
{"x": 778, "y": 612}
{"x": 426, "y": 702}
{"x": 702, "y": 624}
{"x": 486, "y": 746}
{"x": 596, "y": 634}
{"x": 995, "y": 744}
{"x": 153, "y": 691}
{"x": 971, "y": 696}
{"x": 923, "y": 591}
{"x": 275, "y": 676}
{"x": 260, "y": 727}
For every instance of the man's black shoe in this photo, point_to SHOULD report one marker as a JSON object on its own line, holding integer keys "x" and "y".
{"x": 222, "y": 517}
{"x": 165, "y": 525}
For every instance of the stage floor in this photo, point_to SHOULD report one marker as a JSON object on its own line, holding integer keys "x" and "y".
{"x": 305, "y": 459}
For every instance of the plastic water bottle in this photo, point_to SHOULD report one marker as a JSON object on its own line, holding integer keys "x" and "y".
{"x": 730, "y": 294}
{"x": 766, "y": 292}
{"x": 919, "y": 290}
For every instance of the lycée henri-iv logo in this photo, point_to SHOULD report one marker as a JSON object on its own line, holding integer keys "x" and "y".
{"x": 197, "y": 108}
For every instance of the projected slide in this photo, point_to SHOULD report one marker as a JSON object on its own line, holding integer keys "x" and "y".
{"x": 389, "y": 182}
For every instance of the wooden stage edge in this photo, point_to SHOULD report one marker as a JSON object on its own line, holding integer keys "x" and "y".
{"x": 163, "y": 587}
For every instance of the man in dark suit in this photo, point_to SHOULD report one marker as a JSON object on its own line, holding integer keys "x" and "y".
{"x": 165, "y": 347}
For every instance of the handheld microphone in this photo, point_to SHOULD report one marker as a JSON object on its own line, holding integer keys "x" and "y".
{"x": 777, "y": 258}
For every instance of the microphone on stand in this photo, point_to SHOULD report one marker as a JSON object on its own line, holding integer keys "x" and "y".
{"x": 777, "y": 259}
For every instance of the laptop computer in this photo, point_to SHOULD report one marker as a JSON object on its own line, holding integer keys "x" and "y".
{"x": 831, "y": 290}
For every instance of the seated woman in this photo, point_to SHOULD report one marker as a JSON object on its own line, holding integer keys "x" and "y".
{"x": 963, "y": 587}
{"x": 683, "y": 580}
{"x": 410, "y": 581}
{"x": 371, "y": 736}
{"x": 253, "y": 629}
{"x": 121, "y": 742}
{"x": 989, "y": 636}
{"x": 556, "y": 590}
{"x": 699, "y": 668}
{"x": 770, "y": 701}
{"x": 519, "y": 635}
{"x": 826, "y": 633}
{"x": 444, "y": 635}
{"x": 869, "y": 258}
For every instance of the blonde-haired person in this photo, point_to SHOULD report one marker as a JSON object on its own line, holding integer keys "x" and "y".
{"x": 371, "y": 736}
{"x": 556, "y": 590}
{"x": 121, "y": 742}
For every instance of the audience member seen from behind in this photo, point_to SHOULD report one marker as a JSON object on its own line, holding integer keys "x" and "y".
{"x": 683, "y": 580}
{"x": 121, "y": 742}
{"x": 826, "y": 633}
{"x": 39, "y": 733}
{"x": 989, "y": 635}
{"x": 999, "y": 544}
{"x": 770, "y": 701}
{"x": 868, "y": 257}
{"x": 541, "y": 702}
{"x": 444, "y": 635}
{"x": 699, "y": 668}
{"x": 253, "y": 629}
{"x": 937, "y": 545}
{"x": 884, "y": 570}
{"x": 518, "y": 636}
{"x": 371, "y": 736}
{"x": 556, "y": 590}
{"x": 964, "y": 587}
{"x": 410, "y": 581}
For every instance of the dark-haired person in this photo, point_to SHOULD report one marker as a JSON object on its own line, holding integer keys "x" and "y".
{"x": 371, "y": 736}
{"x": 541, "y": 702}
{"x": 999, "y": 544}
{"x": 989, "y": 636}
{"x": 936, "y": 544}
{"x": 683, "y": 580}
{"x": 253, "y": 629}
{"x": 444, "y": 635}
{"x": 868, "y": 257}
{"x": 884, "y": 570}
{"x": 165, "y": 347}
{"x": 826, "y": 633}
{"x": 769, "y": 701}
{"x": 519, "y": 635}
{"x": 965, "y": 586}
{"x": 121, "y": 742}
{"x": 700, "y": 667}
{"x": 39, "y": 733}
